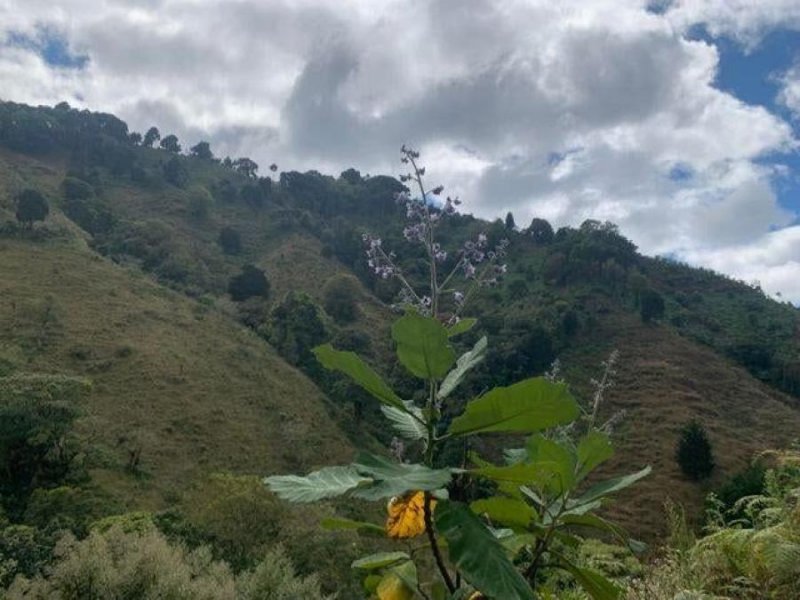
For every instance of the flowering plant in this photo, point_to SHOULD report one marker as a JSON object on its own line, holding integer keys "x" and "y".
{"x": 498, "y": 545}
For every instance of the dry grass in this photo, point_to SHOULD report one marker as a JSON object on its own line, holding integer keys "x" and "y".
{"x": 190, "y": 389}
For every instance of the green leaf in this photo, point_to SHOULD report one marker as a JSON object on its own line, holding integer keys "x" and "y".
{"x": 593, "y": 582}
{"x": 467, "y": 361}
{"x": 505, "y": 511}
{"x": 339, "y": 524}
{"x": 422, "y": 346}
{"x": 463, "y": 326}
{"x": 593, "y": 450}
{"x": 393, "y": 479}
{"x": 610, "y": 486}
{"x": 555, "y": 464}
{"x": 325, "y": 483}
{"x": 380, "y": 560}
{"x": 596, "y": 522}
{"x": 409, "y": 423}
{"x": 525, "y": 407}
{"x": 351, "y": 365}
{"x": 478, "y": 555}
{"x": 519, "y": 473}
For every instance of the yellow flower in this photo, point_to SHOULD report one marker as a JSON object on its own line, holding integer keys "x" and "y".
{"x": 407, "y": 515}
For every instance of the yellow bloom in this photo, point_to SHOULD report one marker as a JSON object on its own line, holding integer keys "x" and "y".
{"x": 407, "y": 515}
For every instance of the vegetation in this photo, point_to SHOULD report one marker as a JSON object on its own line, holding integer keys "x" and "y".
{"x": 694, "y": 453}
{"x": 31, "y": 207}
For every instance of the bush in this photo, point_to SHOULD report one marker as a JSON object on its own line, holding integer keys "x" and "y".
{"x": 339, "y": 298}
{"x": 175, "y": 172}
{"x": 31, "y": 207}
{"x": 230, "y": 240}
{"x": 651, "y": 306}
{"x": 145, "y": 566}
{"x": 200, "y": 202}
{"x": 250, "y": 283}
{"x": 294, "y": 328}
{"x": 694, "y": 453}
{"x": 76, "y": 189}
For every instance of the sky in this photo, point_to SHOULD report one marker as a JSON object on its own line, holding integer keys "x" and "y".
{"x": 678, "y": 120}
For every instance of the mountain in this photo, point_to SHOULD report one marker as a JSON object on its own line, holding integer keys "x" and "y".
{"x": 130, "y": 281}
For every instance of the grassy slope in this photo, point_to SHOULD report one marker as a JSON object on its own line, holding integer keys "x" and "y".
{"x": 194, "y": 390}
{"x": 662, "y": 381}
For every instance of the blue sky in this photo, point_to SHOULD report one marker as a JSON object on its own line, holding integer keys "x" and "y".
{"x": 681, "y": 124}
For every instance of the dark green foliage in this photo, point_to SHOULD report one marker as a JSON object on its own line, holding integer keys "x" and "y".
{"x": 135, "y": 138}
{"x": 250, "y": 283}
{"x": 230, "y": 240}
{"x": 90, "y": 213}
{"x": 175, "y": 171}
{"x": 694, "y": 453}
{"x": 200, "y": 202}
{"x": 351, "y": 176}
{"x": 517, "y": 289}
{"x": 151, "y": 137}
{"x": 36, "y": 416}
{"x": 295, "y": 327}
{"x": 541, "y": 231}
{"x": 246, "y": 167}
{"x": 253, "y": 194}
{"x": 510, "y": 224}
{"x": 32, "y": 206}
{"x": 170, "y": 144}
{"x": 749, "y": 482}
{"x": 340, "y": 298}
{"x": 651, "y": 306}
{"x": 76, "y": 189}
{"x": 225, "y": 191}
{"x": 201, "y": 150}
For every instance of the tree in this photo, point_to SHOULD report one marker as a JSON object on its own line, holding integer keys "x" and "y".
{"x": 339, "y": 298}
{"x": 294, "y": 327}
{"x": 31, "y": 206}
{"x": 351, "y": 176}
{"x": 246, "y": 167}
{"x": 693, "y": 452}
{"x": 76, "y": 189}
{"x": 230, "y": 240}
{"x": 200, "y": 202}
{"x": 651, "y": 305}
{"x": 151, "y": 137}
{"x": 175, "y": 172}
{"x": 135, "y": 138}
{"x": 202, "y": 150}
{"x": 510, "y": 224}
{"x": 253, "y": 194}
{"x": 250, "y": 283}
{"x": 541, "y": 231}
{"x": 170, "y": 144}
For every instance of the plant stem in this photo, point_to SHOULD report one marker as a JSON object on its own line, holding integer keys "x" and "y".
{"x": 437, "y": 554}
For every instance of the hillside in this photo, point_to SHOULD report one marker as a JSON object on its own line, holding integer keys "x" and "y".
{"x": 137, "y": 282}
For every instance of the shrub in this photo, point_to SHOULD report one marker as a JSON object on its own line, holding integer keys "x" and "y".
{"x": 175, "y": 172}
{"x": 76, "y": 189}
{"x": 230, "y": 240}
{"x": 251, "y": 282}
{"x": 32, "y": 206}
{"x": 294, "y": 328}
{"x": 200, "y": 202}
{"x": 651, "y": 305}
{"x": 694, "y": 453}
{"x": 339, "y": 298}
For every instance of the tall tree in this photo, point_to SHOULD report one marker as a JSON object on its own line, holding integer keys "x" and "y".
{"x": 151, "y": 137}
{"x": 202, "y": 150}
{"x": 541, "y": 231}
{"x": 170, "y": 144}
{"x": 694, "y": 453}
{"x": 510, "y": 224}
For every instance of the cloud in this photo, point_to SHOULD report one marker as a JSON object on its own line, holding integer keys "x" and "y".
{"x": 588, "y": 109}
{"x": 789, "y": 94}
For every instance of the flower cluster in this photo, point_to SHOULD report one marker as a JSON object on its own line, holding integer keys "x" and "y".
{"x": 381, "y": 263}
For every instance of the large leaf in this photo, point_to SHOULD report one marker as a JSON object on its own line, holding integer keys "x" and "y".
{"x": 478, "y": 555}
{"x": 554, "y": 462}
{"x": 593, "y": 450}
{"x": 380, "y": 560}
{"x": 394, "y": 479}
{"x": 325, "y": 483}
{"x": 408, "y": 423}
{"x": 505, "y": 511}
{"x": 467, "y": 361}
{"x": 596, "y": 522}
{"x": 519, "y": 473}
{"x": 525, "y": 407}
{"x": 351, "y": 365}
{"x": 602, "y": 489}
{"x": 462, "y": 326}
{"x": 423, "y": 346}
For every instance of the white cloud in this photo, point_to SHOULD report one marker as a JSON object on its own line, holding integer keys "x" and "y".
{"x": 789, "y": 94}
{"x": 563, "y": 110}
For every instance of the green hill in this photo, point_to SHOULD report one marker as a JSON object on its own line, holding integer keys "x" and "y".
{"x": 126, "y": 283}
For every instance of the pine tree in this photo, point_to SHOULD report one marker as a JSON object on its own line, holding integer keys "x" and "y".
{"x": 694, "y": 453}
